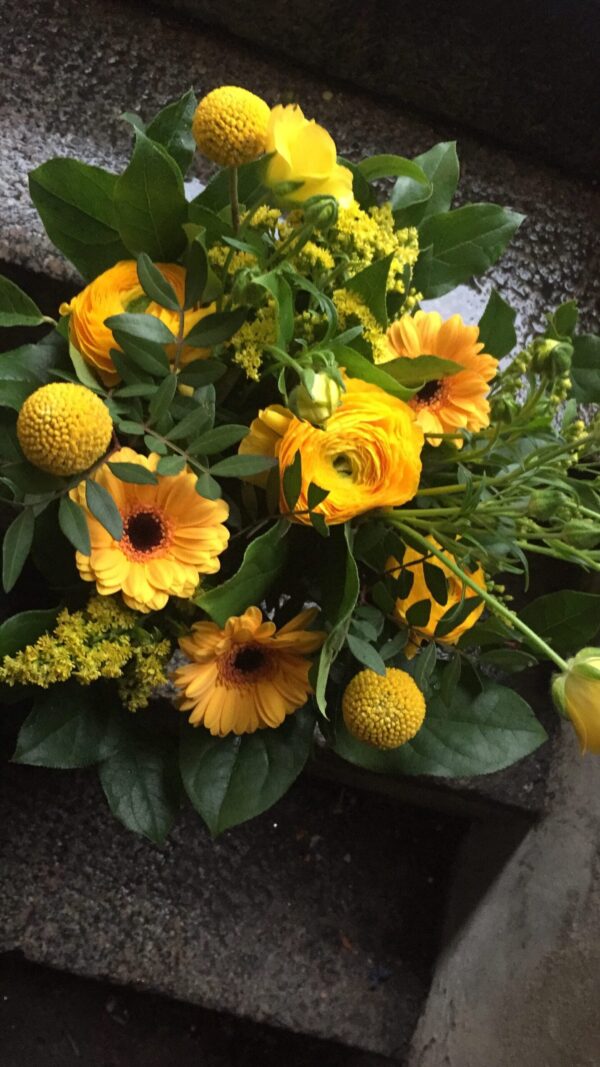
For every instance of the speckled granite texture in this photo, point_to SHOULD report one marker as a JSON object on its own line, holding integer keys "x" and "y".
{"x": 293, "y": 919}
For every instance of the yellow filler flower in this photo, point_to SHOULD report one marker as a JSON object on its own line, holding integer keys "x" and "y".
{"x": 170, "y": 536}
{"x": 458, "y": 401}
{"x": 383, "y": 710}
{"x": 230, "y": 126}
{"x": 113, "y": 292}
{"x": 248, "y": 675}
{"x": 63, "y": 428}
{"x": 413, "y": 561}
{"x": 368, "y": 454}
{"x": 302, "y": 151}
{"x": 577, "y": 694}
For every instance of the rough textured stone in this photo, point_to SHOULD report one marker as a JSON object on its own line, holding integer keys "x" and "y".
{"x": 321, "y": 917}
{"x": 477, "y": 64}
{"x": 518, "y": 980}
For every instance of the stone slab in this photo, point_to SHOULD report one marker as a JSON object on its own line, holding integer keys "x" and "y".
{"x": 494, "y": 66}
{"x": 321, "y": 916}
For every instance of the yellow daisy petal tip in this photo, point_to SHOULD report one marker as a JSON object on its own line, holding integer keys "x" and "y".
{"x": 385, "y": 711}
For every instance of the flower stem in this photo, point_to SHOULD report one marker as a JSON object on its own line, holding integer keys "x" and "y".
{"x": 233, "y": 197}
{"x": 494, "y": 605}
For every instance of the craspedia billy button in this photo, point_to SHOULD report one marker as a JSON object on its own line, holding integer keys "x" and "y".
{"x": 63, "y": 428}
{"x": 383, "y": 710}
{"x": 230, "y": 126}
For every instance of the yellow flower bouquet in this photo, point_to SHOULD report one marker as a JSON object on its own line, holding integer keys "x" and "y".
{"x": 253, "y": 475}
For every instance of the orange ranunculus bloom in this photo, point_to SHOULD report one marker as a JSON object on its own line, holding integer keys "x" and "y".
{"x": 458, "y": 401}
{"x": 112, "y": 293}
{"x": 368, "y": 454}
{"x": 303, "y": 151}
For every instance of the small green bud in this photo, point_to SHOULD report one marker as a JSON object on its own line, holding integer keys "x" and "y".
{"x": 545, "y": 503}
{"x": 317, "y": 405}
{"x": 581, "y": 533}
{"x": 321, "y": 212}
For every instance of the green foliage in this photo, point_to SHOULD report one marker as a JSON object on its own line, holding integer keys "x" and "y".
{"x": 69, "y": 726}
{"x": 172, "y": 128}
{"x": 462, "y": 244}
{"x": 141, "y": 783}
{"x": 150, "y": 204}
{"x": 414, "y": 373}
{"x": 585, "y": 368}
{"x": 15, "y": 547}
{"x": 568, "y": 620}
{"x": 16, "y": 308}
{"x": 154, "y": 283}
{"x": 341, "y": 586}
{"x": 440, "y": 166}
{"x": 103, "y": 508}
{"x": 263, "y": 562}
{"x": 73, "y": 524}
{"x": 358, "y": 366}
{"x": 24, "y": 629}
{"x": 497, "y": 327}
{"x": 232, "y": 779}
{"x": 370, "y": 285}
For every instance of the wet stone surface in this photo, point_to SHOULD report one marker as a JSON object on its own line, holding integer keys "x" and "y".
{"x": 322, "y": 916}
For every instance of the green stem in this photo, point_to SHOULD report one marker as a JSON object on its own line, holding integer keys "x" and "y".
{"x": 179, "y": 341}
{"x": 495, "y": 605}
{"x": 233, "y": 197}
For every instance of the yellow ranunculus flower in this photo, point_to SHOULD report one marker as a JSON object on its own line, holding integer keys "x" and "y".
{"x": 304, "y": 152}
{"x": 112, "y": 293}
{"x": 419, "y": 591}
{"x": 368, "y": 455}
{"x": 577, "y": 693}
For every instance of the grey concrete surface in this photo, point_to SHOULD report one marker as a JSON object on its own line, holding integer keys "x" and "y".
{"x": 321, "y": 917}
{"x": 518, "y": 982}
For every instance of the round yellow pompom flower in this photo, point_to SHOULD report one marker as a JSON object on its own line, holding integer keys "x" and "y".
{"x": 230, "y": 126}
{"x": 384, "y": 711}
{"x": 63, "y": 428}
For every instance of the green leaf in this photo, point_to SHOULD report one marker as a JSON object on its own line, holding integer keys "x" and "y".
{"x": 362, "y": 191}
{"x": 436, "y": 582}
{"x": 202, "y": 372}
{"x": 585, "y": 368}
{"x": 172, "y": 128}
{"x": 456, "y": 615}
{"x": 83, "y": 371}
{"x": 262, "y": 564}
{"x": 507, "y": 659}
{"x": 163, "y": 398}
{"x": 196, "y": 274}
{"x": 319, "y": 523}
{"x": 155, "y": 285}
{"x": 219, "y": 439}
{"x": 418, "y": 613}
{"x": 141, "y": 328}
{"x": 416, "y": 371}
{"x": 215, "y": 329}
{"x": 458, "y": 739}
{"x": 34, "y": 363}
{"x": 75, "y": 202}
{"x": 564, "y": 320}
{"x": 292, "y": 481}
{"x": 103, "y": 508}
{"x": 568, "y": 620}
{"x": 462, "y": 244}
{"x": 440, "y": 166}
{"x": 196, "y": 421}
{"x": 24, "y": 629}
{"x": 129, "y": 427}
{"x": 316, "y": 495}
{"x": 150, "y": 202}
{"x": 12, "y": 394}
{"x": 425, "y": 667}
{"x": 358, "y": 366}
{"x": 232, "y": 779}
{"x": 15, "y": 548}
{"x": 170, "y": 465}
{"x": 216, "y": 194}
{"x": 366, "y": 654}
{"x": 141, "y": 784}
{"x": 147, "y": 355}
{"x": 208, "y": 487}
{"x": 340, "y": 597}
{"x": 497, "y": 326}
{"x": 73, "y": 523}
{"x": 133, "y": 473}
{"x": 243, "y": 466}
{"x": 370, "y": 285}
{"x": 412, "y": 185}
{"x": 69, "y": 726}
{"x": 16, "y": 308}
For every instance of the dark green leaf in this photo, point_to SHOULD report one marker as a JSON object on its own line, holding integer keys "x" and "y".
{"x": 292, "y": 481}
{"x": 15, "y": 547}
{"x": 73, "y": 523}
{"x": 358, "y": 366}
{"x": 24, "y": 629}
{"x": 196, "y": 274}
{"x": 507, "y": 659}
{"x": 425, "y": 666}
{"x": 141, "y": 785}
{"x": 370, "y": 285}
{"x": 208, "y": 487}
{"x": 440, "y": 166}
{"x": 215, "y": 329}
{"x": 262, "y": 564}
{"x": 340, "y": 597}
{"x": 196, "y": 421}
{"x": 69, "y": 726}
{"x": 416, "y": 371}
{"x": 163, "y": 398}
{"x": 243, "y": 466}
{"x": 319, "y": 524}
{"x": 366, "y": 654}
{"x": 564, "y": 320}
{"x": 383, "y": 598}
{"x": 497, "y": 327}
{"x": 462, "y": 244}
{"x": 150, "y": 204}
{"x": 148, "y": 355}
{"x": 83, "y": 371}
{"x": 362, "y": 191}
{"x": 568, "y": 620}
{"x": 75, "y": 204}
{"x": 456, "y": 615}
{"x": 436, "y": 582}
{"x": 154, "y": 283}
{"x": 315, "y": 494}
{"x": 12, "y": 394}
{"x": 417, "y": 614}
{"x": 219, "y": 439}
{"x": 134, "y": 473}
{"x": 127, "y": 426}
{"x": 140, "y": 328}
{"x": 450, "y": 679}
{"x": 232, "y": 779}
{"x": 170, "y": 465}
{"x": 405, "y": 582}
{"x": 585, "y": 368}
{"x": 34, "y": 363}
{"x": 16, "y": 308}
{"x": 202, "y": 372}
{"x": 172, "y": 128}
{"x": 216, "y": 194}
{"x": 412, "y": 185}
{"x": 103, "y": 508}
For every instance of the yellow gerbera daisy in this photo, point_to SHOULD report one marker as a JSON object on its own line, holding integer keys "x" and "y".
{"x": 247, "y": 676}
{"x": 460, "y": 400}
{"x": 170, "y": 536}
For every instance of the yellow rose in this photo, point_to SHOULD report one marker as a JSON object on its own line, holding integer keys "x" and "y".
{"x": 112, "y": 293}
{"x": 577, "y": 694}
{"x": 304, "y": 152}
{"x": 368, "y": 455}
{"x": 420, "y": 591}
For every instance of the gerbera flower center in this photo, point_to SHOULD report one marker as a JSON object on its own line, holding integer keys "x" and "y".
{"x": 146, "y": 531}
{"x": 249, "y": 659}
{"x": 431, "y": 391}
{"x": 244, "y": 665}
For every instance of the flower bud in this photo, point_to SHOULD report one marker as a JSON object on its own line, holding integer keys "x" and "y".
{"x": 581, "y": 533}
{"x": 317, "y": 405}
{"x": 576, "y": 693}
{"x": 504, "y": 409}
{"x": 545, "y": 503}
{"x": 321, "y": 212}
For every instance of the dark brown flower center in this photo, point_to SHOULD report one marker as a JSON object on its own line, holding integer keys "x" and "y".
{"x": 429, "y": 392}
{"x": 249, "y": 659}
{"x": 146, "y": 532}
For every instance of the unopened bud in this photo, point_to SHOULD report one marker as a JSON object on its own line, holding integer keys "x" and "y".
{"x": 317, "y": 405}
